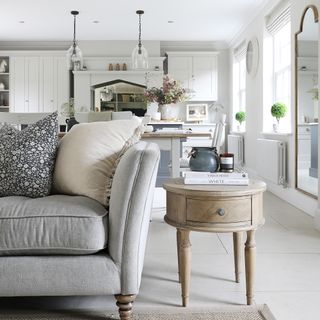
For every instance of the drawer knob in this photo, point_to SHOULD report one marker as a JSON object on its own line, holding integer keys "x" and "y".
{"x": 221, "y": 212}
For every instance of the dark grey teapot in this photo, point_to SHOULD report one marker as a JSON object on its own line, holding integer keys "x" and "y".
{"x": 204, "y": 159}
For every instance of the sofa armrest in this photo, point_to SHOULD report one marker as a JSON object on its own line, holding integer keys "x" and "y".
{"x": 130, "y": 207}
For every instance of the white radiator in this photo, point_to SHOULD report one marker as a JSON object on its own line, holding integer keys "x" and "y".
{"x": 272, "y": 160}
{"x": 235, "y": 146}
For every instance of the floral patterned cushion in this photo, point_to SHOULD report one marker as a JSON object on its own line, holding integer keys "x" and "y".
{"x": 6, "y": 130}
{"x": 27, "y": 158}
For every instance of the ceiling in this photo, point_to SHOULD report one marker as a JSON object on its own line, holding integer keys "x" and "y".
{"x": 194, "y": 20}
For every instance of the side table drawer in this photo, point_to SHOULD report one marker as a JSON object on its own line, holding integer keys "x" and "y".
{"x": 219, "y": 211}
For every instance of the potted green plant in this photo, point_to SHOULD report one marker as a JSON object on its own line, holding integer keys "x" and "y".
{"x": 278, "y": 111}
{"x": 240, "y": 116}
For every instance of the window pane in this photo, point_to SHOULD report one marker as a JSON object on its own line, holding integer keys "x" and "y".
{"x": 239, "y": 87}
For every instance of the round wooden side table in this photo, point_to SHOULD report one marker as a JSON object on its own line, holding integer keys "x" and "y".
{"x": 215, "y": 208}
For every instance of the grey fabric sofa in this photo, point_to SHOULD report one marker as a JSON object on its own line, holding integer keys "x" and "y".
{"x": 79, "y": 222}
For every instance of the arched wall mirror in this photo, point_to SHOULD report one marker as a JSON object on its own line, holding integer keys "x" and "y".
{"x": 307, "y": 95}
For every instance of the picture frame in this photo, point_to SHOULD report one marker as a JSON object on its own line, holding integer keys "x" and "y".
{"x": 197, "y": 112}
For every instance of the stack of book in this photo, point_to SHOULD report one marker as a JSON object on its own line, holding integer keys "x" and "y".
{"x": 222, "y": 178}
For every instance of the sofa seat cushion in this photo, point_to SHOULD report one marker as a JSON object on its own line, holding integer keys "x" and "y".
{"x": 56, "y": 224}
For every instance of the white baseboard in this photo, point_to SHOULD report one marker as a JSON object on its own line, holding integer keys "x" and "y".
{"x": 290, "y": 195}
{"x": 317, "y": 219}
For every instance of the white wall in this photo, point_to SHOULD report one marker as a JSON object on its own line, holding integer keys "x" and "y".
{"x": 254, "y": 106}
{"x": 94, "y": 48}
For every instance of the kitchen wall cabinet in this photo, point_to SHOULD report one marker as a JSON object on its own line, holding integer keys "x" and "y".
{"x": 39, "y": 83}
{"x": 197, "y": 71}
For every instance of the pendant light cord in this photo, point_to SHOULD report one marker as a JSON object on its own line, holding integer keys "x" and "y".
{"x": 139, "y": 12}
{"x": 74, "y": 34}
{"x": 74, "y": 13}
{"x": 74, "y": 29}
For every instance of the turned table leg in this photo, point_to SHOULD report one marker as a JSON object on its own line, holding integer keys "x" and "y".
{"x": 185, "y": 265}
{"x": 178, "y": 252}
{"x": 237, "y": 249}
{"x": 124, "y": 304}
{"x": 250, "y": 250}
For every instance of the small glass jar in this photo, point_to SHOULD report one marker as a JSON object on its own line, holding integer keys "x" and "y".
{"x": 226, "y": 162}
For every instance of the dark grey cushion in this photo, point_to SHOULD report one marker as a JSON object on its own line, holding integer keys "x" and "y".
{"x": 57, "y": 224}
{"x": 27, "y": 158}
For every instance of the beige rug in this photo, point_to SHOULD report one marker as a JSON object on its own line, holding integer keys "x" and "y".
{"x": 222, "y": 313}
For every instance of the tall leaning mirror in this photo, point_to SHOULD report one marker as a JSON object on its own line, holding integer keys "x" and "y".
{"x": 307, "y": 100}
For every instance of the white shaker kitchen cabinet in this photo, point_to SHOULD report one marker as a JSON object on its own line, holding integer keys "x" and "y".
{"x": 180, "y": 68}
{"x": 39, "y": 83}
{"x": 205, "y": 78}
{"x": 32, "y": 69}
{"x": 197, "y": 71}
{"x": 25, "y": 80}
{"x": 54, "y": 83}
{"x": 47, "y": 85}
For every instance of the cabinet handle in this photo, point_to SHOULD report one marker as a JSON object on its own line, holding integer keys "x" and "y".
{"x": 307, "y": 129}
{"x": 221, "y": 212}
{"x": 51, "y": 100}
{"x": 27, "y": 100}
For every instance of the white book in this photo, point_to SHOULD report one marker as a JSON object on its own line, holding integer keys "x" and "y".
{"x": 218, "y": 181}
{"x": 210, "y": 175}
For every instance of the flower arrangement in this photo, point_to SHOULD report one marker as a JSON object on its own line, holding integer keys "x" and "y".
{"x": 170, "y": 92}
{"x": 68, "y": 108}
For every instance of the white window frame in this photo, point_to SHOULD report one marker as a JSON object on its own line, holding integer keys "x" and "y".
{"x": 239, "y": 89}
{"x": 279, "y": 21}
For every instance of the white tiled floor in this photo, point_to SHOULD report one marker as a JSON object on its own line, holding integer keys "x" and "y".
{"x": 287, "y": 275}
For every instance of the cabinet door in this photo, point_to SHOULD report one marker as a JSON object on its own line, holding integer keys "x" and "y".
{"x": 32, "y": 83}
{"x": 180, "y": 68}
{"x": 17, "y": 74}
{"x": 46, "y": 84}
{"x": 205, "y": 78}
{"x": 61, "y": 82}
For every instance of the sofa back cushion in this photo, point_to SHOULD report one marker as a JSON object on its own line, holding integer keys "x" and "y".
{"x": 88, "y": 156}
{"x": 27, "y": 158}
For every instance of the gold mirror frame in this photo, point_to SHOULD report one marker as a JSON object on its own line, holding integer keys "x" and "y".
{"x": 316, "y": 20}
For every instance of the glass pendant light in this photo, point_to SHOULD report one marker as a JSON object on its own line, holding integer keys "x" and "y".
{"x": 74, "y": 54}
{"x": 139, "y": 53}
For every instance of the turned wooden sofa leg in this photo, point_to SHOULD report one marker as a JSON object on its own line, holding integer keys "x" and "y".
{"x": 124, "y": 303}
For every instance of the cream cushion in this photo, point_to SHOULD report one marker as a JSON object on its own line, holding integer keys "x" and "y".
{"x": 88, "y": 155}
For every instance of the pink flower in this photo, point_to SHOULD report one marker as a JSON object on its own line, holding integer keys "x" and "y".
{"x": 170, "y": 92}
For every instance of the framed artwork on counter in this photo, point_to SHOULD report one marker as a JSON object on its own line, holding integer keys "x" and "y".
{"x": 197, "y": 112}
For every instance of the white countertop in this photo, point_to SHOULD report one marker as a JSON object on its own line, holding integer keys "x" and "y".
{"x": 182, "y": 123}
{"x": 307, "y": 124}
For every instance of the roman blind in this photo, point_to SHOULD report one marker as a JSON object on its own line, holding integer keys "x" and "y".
{"x": 278, "y": 17}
